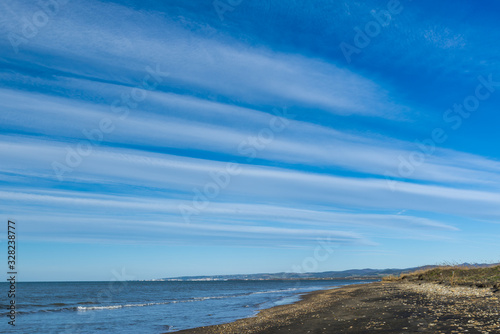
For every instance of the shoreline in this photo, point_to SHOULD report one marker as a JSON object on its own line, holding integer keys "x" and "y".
{"x": 388, "y": 307}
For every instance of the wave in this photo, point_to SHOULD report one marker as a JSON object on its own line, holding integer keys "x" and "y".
{"x": 61, "y": 307}
{"x": 194, "y": 299}
{"x": 112, "y": 307}
{"x": 18, "y": 311}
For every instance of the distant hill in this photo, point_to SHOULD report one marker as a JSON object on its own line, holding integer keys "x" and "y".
{"x": 346, "y": 274}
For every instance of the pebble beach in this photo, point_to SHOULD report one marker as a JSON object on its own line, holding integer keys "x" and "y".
{"x": 382, "y": 307}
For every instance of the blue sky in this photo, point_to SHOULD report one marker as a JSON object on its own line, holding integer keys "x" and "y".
{"x": 167, "y": 139}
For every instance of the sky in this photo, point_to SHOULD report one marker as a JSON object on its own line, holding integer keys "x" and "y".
{"x": 147, "y": 139}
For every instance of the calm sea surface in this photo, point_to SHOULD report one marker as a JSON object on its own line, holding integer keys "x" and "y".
{"x": 145, "y": 307}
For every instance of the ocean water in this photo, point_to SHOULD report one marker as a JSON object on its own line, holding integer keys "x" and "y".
{"x": 145, "y": 307}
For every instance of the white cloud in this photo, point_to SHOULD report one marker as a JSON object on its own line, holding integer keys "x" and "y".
{"x": 246, "y": 74}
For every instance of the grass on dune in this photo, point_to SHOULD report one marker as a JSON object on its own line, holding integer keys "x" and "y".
{"x": 482, "y": 276}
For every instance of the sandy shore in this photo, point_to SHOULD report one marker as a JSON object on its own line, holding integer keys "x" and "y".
{"x": 392, "y": 307}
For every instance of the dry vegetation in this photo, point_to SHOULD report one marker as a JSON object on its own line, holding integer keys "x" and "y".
{"x": 468, "y": 275}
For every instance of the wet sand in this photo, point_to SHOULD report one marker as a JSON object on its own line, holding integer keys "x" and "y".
{"x": 382, "y": 307}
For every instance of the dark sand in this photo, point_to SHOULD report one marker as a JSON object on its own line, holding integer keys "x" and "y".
{"x": 392, "y": 307}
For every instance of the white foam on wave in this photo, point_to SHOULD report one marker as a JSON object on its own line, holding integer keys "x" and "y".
{"x": 113, "y": 307}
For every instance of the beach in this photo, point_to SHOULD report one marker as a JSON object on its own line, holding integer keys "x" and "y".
{"x": 381, "y": 307}
{"x": 131, "y": 307}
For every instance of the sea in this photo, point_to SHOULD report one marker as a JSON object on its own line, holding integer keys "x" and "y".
{"x": 146, "y": 306}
